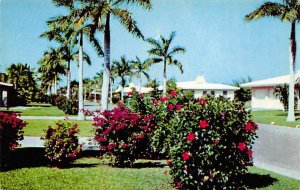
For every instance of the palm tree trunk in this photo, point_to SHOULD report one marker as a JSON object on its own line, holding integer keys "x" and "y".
{"x": 106, "y": 73}
{"x": 55, "y": 85}
{"x": 165, "y": 77}
{"x": 95, "y": 94}
{"x": 80, "y": 90}
{"x": 122, "y": 93}
{"x": 111, "y": 91}
{"x": 68, "y": 80}
{"x": 291, "y": 112}
{"x": 140, "y": 83}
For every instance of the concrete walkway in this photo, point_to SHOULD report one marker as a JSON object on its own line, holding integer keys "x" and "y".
{"x": 54, "y": 117}
{"x": 277, "y": 149}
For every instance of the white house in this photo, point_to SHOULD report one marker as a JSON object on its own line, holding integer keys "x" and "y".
{"x": 144, "y": 90}
{"x": 201, "y": 88}
{"x": 262, "y": 92}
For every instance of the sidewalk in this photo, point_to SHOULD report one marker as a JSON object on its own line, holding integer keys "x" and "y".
{"x": 54, "y": 117}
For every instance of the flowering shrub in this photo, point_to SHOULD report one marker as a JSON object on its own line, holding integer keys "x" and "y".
{"x": 11, "y": 131}
{"x": 61, "y": 143}
{"x": 68, "y": 106}
{"x": 212, "y": 144}
{"x": 123, "y": 134}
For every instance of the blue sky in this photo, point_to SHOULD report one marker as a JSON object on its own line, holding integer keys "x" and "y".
{"x": 220, "y": 44}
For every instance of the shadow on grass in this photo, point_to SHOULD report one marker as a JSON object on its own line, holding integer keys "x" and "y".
{"x": 34, "y": 157}
{"x": 253, "y": 181}
{"x": 149, "y": 164}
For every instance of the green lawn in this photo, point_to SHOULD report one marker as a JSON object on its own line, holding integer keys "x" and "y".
{"x": 35, "y": 127}
{"x": 32, "y": 172}
{"x": 40, "y": 111}
{"x": 276, "y": 116}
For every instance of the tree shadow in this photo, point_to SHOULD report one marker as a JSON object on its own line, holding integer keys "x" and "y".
{"x": 253, "y": 181}
{"x": 148, "y": 164}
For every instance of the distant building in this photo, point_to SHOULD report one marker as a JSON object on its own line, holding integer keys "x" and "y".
{"x": 6, "y": 91}
{"x": 262, "y": 92}
{"x": 201, "y": 88}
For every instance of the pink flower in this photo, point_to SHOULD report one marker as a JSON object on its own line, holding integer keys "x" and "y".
{"x": 216, "y": 142}
{"x": 164, "y": 99}
{"x": 185, "y": 155}
{"x": 178, "y": 107}
{"x": 173, "y": 93}
{"x": 145, "y": 128}
{"x": 241, "y": 146}
{"x": 141, "y": 95}
{"x": 155, "y": 102}
{"x": 171, "y": 107}
{"x": 179, "y": 185}
{"x": 129, "y": 93}
{"x": 191, "y": 137}
{"x": 203, "y": 124}
{"x": 248, "y": 126}
{"x": 186, "y": 168}
{"x": 124, "y": 146}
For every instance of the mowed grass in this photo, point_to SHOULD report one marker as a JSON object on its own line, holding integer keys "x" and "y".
{"x": 276, "y": 117}
{"x": 35, "y": 127}
{"x": 31, "y": 171}
{"x": 40, "y": 111}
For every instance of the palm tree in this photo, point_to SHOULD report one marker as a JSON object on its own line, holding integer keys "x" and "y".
{"x": 98, "y": 13}
{"x": 162, "y": 52}
{"x": 122, "y": 69}
{"x": 288, "y": 10}
{"x": 140, "y": 69}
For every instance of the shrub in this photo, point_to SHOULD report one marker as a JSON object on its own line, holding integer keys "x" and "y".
{"x": 123, "y": 134}
{"x": 61, "y": 143}
{"x": 11, "y": 131}
{"x": 68, "y": 106}
{"x": 211, "y": 144}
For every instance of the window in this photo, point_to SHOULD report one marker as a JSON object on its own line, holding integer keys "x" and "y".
{"x": 225, "y": 93}
{"x": 212, "y": 93}
{"x": 204, "y": 92}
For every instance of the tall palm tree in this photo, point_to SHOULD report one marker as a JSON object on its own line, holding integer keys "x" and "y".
{"x": 162, "y": 52}
{"x": 123, "y": 70}
{"x": 140, "y": 69}
{"x": 98, "y": 13}
{"x": 288, "y": 10}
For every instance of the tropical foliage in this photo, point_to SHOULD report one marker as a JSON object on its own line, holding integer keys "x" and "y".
{"x": 288, "y": 10}
{"x": 243, "y": 94}
{"x": 163, "y": 52}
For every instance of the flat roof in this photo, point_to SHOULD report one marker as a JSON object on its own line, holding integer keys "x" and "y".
{"x": 194, "y": 85}
{"x": 5, "y": 84}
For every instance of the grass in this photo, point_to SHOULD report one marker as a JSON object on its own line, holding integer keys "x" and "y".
{"x": 35, "y": 127}
{"x": 32, "y": 172}
{"x": 276, "y": 116}
{"x": 40, "y": 111}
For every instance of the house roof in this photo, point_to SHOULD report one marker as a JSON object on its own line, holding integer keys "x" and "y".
{"x": 201, "y": 84}
{"x": 131, "y": 85}
{"x": 272, "y": 81}
{"x": 5, "y": 84}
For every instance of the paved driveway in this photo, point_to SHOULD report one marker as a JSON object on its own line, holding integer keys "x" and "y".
{"x": 278, "y": 149}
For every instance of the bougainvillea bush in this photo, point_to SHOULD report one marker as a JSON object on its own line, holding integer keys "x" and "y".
{"x": 123, "y": 134}
{"x": 212, "y": 146}
{"x": 11, "y": 131}
{"x": 61, "y": 143}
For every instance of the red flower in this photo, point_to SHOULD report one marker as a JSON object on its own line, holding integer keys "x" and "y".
{"x": 178, "y": 185}
{"x": 249, "y": 152}
{"x": 173, "y": 93}
{"x": 216, "y": 142}
{"x": 124, "y": 146}
{"x": 178, "y": 107}
{"x": 191, "y": 137}
{"x": 163, "y": 99}
{"x": 142, "y": 136}
{"x": 241, "y": 146}
{"x": 203, "y": 124}
{"x": 169, "y": 162}
{"x": 145, "y": 128}
{"x": 202, "y": 101}
{"x": 171, "y": 107}
{"x": 155, "y": 103}
{"x": 185, "y": 155}
{"x": 141, "y": 95}
{"x": 166, "y": 172}
{"x": 248, "y": 126}
{"x": 129, "y": 93}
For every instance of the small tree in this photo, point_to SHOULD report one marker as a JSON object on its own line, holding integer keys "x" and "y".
{"x": 282, "y": 92}
{"x": 243, "y": 94}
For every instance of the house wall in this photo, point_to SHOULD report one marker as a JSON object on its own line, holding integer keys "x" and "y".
{"x": 263, "y": 98}
{"x": 199, "y": 93}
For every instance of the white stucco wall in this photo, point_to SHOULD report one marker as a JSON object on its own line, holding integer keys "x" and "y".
{"x": 263, "y": 98}
{"x": 199, "y": 93}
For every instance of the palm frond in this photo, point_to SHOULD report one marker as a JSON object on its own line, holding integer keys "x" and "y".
{"x": 267, "y": 9}
{"x": 177, "y": 49}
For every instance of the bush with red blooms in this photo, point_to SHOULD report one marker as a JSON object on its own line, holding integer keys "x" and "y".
{"x": 11, "y": 131}
{"x": 61, "y": 143}
{"x": 123, "y": 134}
{"x": 211, "y": 144}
